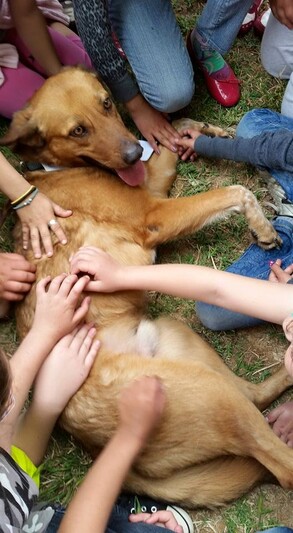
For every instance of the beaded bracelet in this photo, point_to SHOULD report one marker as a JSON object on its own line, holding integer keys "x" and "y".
{"x": 28, "y": 201}
{"x": 24, "y": 195}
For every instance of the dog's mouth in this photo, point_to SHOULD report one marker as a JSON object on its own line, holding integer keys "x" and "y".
{"x": 134, "y": 175}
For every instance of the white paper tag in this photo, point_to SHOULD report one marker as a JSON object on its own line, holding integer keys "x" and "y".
{"x": 147, "y": 150}
{"x": 48, "y": 168}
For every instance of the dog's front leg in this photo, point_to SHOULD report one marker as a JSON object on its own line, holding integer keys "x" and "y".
{"x": 169, "y": 219}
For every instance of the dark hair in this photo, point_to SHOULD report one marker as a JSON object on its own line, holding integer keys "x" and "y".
{"x": 5, "y": 382}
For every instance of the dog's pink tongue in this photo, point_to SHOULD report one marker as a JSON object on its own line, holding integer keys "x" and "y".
{"x": 133, "y": 175}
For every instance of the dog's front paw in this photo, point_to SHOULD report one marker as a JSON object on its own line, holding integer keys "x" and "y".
{"x": 268, "y": 239}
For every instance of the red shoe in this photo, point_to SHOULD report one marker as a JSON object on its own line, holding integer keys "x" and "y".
{"x": 226, "y": 91}
{"x": 250, "y": 18}
{"x": 261, "y": 21}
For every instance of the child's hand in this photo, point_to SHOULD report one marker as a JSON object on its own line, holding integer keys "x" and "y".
{"x": 141, "y": 405}
{"x": 16, "y": 276}
{"x": 186, "y": 144}
{"x": 163, "y": 519}
{"x": 288, "y": 330}
{"x": 65, "y": 369}
{"x": 57, "y": 310}
{"x": 105, "y": 270}
{"x": 278, "y": 275}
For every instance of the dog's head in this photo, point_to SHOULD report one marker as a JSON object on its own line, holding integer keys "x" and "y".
{"x": 72, "y": 121}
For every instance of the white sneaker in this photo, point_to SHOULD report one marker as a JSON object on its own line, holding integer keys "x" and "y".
{"x": 283, "y": 206}
{"x": 143, "y": 504}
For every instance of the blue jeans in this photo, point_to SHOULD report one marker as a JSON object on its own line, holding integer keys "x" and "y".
{"x": 254, "y": 263}
{"x": 259, "y": 120}
{"x": 151, "y": 38}
{"x": 118, "y": 522}
{"x": 220, "y": 21}
{"x": 280, "y": 529}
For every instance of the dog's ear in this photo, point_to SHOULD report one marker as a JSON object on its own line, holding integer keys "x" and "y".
{"x": 22, "y": 132}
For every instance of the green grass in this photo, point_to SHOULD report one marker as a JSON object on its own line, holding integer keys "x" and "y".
{"x": 248, "y": 353}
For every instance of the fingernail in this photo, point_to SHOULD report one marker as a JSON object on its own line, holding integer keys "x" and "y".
{"x": 174, "y": 149}
{"x": 64, "y": 241}
{"x": 271, "y": 263}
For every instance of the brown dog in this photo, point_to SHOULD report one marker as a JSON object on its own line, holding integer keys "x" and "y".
{"x": 213, "y": 444}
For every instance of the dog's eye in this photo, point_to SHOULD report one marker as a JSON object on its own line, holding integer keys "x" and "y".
{"x": 107, "y": 103}
{"x": 79, "y": 131}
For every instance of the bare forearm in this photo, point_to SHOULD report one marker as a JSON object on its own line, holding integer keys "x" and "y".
{"x": 12, "y": 184}
{"x": 32, "y": 28}
{"x": 33, "y": 432}
{"x": 91, "y": 506}
{"x": 262, "y": 299}
{"x": 25, "y": 365}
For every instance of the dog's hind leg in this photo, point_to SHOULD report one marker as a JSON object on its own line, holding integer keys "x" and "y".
{"x": 209, "y": 484}
{"x": 173, "y": 218}
{"x": 177, "y": 340}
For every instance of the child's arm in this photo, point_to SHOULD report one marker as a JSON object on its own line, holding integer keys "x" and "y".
{"x": 34, "y": 217}
{"x": 31, "y": 26}
{"x": 267, "y": 150}
{"x": 140, "y": 406}
{"x": 56, "y": 314}
{"x": 262, "y": 299}
{"x": 60, "y": 376}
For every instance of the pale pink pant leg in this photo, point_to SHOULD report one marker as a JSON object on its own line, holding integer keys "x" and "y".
{"x": 21, "y": 83}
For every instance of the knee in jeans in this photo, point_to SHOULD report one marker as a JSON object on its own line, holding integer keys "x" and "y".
{"x": 254, "y": 122}
{"x": 208, "y": 316}
{"x": 171, "y": 98}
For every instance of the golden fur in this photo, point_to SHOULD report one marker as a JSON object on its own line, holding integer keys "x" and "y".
{"x": 213, "y": 443}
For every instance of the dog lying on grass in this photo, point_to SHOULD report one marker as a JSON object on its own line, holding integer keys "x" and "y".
{"x": 213, "y": 443}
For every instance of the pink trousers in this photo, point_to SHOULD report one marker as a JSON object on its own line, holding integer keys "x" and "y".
{"x": 21, "y": 83}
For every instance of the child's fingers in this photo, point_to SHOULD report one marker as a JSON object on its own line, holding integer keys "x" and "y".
{"x": 42, "y": 284}
{"x": 289, "y": 269}
{"x": 56, "y": 283}
{"x": 82, "y": 310}
{"x": 92, "y": 354}
{"x": 83, "y": 333}
{"x": 77, "y": 287}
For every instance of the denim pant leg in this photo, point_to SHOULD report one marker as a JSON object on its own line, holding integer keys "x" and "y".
{"x": 260, "y": 120}
{"x": 152, "y": 41}
{"x": 279, "y": 529}
{"x": 119, "y": 523}
{"x": 54, "y": 525}
{"x": 220, "y": 21}
{"x": 254, "y": 263}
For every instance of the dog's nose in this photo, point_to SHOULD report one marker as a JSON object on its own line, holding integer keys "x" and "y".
{"x": 131, "y": 151}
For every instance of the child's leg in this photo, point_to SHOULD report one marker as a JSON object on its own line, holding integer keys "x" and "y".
{"x": 152, "y": 41}
{"x": 68, "y": 48}
{"x": 19, "y": 86}
{"x": 261, "y": 120}
{"x": 254, "y": 263}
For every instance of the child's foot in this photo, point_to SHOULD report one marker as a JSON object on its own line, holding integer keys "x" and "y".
{"x": 219, "y": 77}
{"x": 281, "y": 420}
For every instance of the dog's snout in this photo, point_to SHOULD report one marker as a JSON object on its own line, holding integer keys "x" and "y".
{"x": 131, "y": 151}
